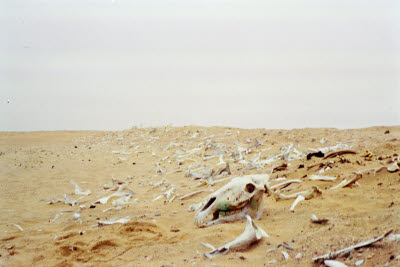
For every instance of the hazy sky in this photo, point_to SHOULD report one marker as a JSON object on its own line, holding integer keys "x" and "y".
{"x": 110, "y": 65}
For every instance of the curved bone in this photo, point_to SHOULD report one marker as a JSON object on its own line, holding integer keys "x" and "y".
{"x": 78, "y": 190}
{"x": 313, "y": 192}
{"x": 251, "y": 234}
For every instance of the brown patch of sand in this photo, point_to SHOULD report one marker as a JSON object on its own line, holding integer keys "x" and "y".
{"x": 39, "y": 165}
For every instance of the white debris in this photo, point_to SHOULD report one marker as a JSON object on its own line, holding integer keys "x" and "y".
{"x": 19, "y": 227}
{"x": 394, "y": 237}
{"x": 322, "y": 178}
{"x": 334, "y": 263}
{"x": 112, "y": 221}
{"x": 119, "y": 193}
{"x": 285, "y": 255}
{"x": 79, "y": 191}
{"x": 359, "y": 262}
{"x": 298, "y": 256}
{"x": 251, "y": 234}
{"x": 298, "y": 199}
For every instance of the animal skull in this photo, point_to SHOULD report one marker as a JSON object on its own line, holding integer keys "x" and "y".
{"x": 240, "y": 197}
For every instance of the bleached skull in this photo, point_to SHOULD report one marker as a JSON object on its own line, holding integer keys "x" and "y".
{"x": 240, "y": 197}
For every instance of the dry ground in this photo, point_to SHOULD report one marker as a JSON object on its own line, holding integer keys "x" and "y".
{"x": 39, "y": 165}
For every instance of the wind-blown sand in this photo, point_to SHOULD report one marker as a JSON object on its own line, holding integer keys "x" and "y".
{"x": 38, "y": 166}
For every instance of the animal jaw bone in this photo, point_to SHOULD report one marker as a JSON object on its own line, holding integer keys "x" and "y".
{"x": 251, "y": 234}
{"x": 240, "y": 197}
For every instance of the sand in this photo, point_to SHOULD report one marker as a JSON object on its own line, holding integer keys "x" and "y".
{"x": 38, "y": 166}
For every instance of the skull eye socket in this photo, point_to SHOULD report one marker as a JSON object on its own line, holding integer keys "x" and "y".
{"x": 250, "y": 188}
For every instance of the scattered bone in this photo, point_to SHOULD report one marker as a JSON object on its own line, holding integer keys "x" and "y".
{"x": 298, "y": 199}
{"x": 285, "y": 184}
{"x": 191, "y": 194}
{"x": 226, "y": 170}
{"x": 393, "y": 168}
{"x": 113, "y": 184}
{"x": 338, "y": 153}
{"x": 203, "y": 174}
{"x": 322, "y": 178}
{"x": 77, "y": 215}
{"x": 19, "y": 227}
{"x": 313, "y": 192}
{"x": 344, "y": 251}
{"x": 221, "y": 160}
{"x": 71, "y": 202}
{"x": 251, "y": 234}
{"x": 359, "y": 262}
{"x": 333, "y": 263}
{"x": 125, "y": 200}
{"x": 285, "y": 255}
{"x": 166, "y": 194}
{"x": 394, "y": 237}
{"x": 112, "y": 221}
{"x": 314, "y": 219}
{"x": 119, "y": 193}
{"x": 298, "y": 256}
{"x": 78, "y": 190}
{"x": 58, "y": 215}
{"x": 346, "y": 183}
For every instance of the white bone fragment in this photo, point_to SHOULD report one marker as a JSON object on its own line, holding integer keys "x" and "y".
{"x": 221, "y": 160}
{"x": 323, "y": 140}
{"x": 333, "y": 263}
{"x": 191, "y": 194}
{"x": 125, "y": 200}
{"x": 119, "y": 193}
{"x": 208, "y": 246}
{"x": 285, "y": 255}
{"x": 334, "y": 255}
{"x": 394, "y": 237}
{"x": 19, "y": 227}
{"x": 56, "y": 217}
{"x": 359, "y": 262}
{"x": 166, "y": 194}
{"x": 113, "y": 220}
{"x": 315, "y": 219}
{"x": 77, "y": 215}
{"x": 251, "y": 234}
{"x": 122, "y": 159}
{"x": 71, "y": 202}
{"x": 393, "y": 168}
{"x": 298, "y": 199}
{"x": 313, "y": 192}
{"x": 346, "y": 183}
{"x": 298, "y": 256}
{"x": 339, "y": 184}
{"x": 322, "y": 178}
{"x": 78, "y": 190}
{"x": 284, "y": 184}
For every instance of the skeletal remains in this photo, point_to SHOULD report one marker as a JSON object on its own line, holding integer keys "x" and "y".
{"x": 243, "y": 196}
{"x": 240, "y": 197}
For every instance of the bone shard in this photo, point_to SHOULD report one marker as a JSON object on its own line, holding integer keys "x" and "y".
{"x": 322, "y": 178}
{"x": 119, "y": 193}
{"x": 251, "y": 234}
{"x": 191, "y": 194}
{"x": 313, "y": 192}
{"x": 298, "y": 199}
{"x": 344, "y": 251}
{"x": 79, "y": 191}
{"x": 333, "y": 263}
{"x": 113, "y": 220}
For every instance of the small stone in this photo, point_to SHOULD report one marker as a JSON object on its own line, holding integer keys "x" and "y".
{"x": 387, "y": 132}
{"x": 157, "y": 214}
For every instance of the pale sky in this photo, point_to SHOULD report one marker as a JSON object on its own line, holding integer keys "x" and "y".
{"x": 111, "y": 65}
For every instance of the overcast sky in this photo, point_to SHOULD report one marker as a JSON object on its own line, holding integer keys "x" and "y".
{"x": 111, "y": 65}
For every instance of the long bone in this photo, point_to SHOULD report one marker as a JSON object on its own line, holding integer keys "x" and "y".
{"x": 251, "y": 234}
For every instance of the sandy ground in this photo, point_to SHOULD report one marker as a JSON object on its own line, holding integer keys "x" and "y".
{"x": 37, "y": 167}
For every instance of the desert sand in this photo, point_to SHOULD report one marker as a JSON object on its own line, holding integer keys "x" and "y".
{"x": 37, "y": 167}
